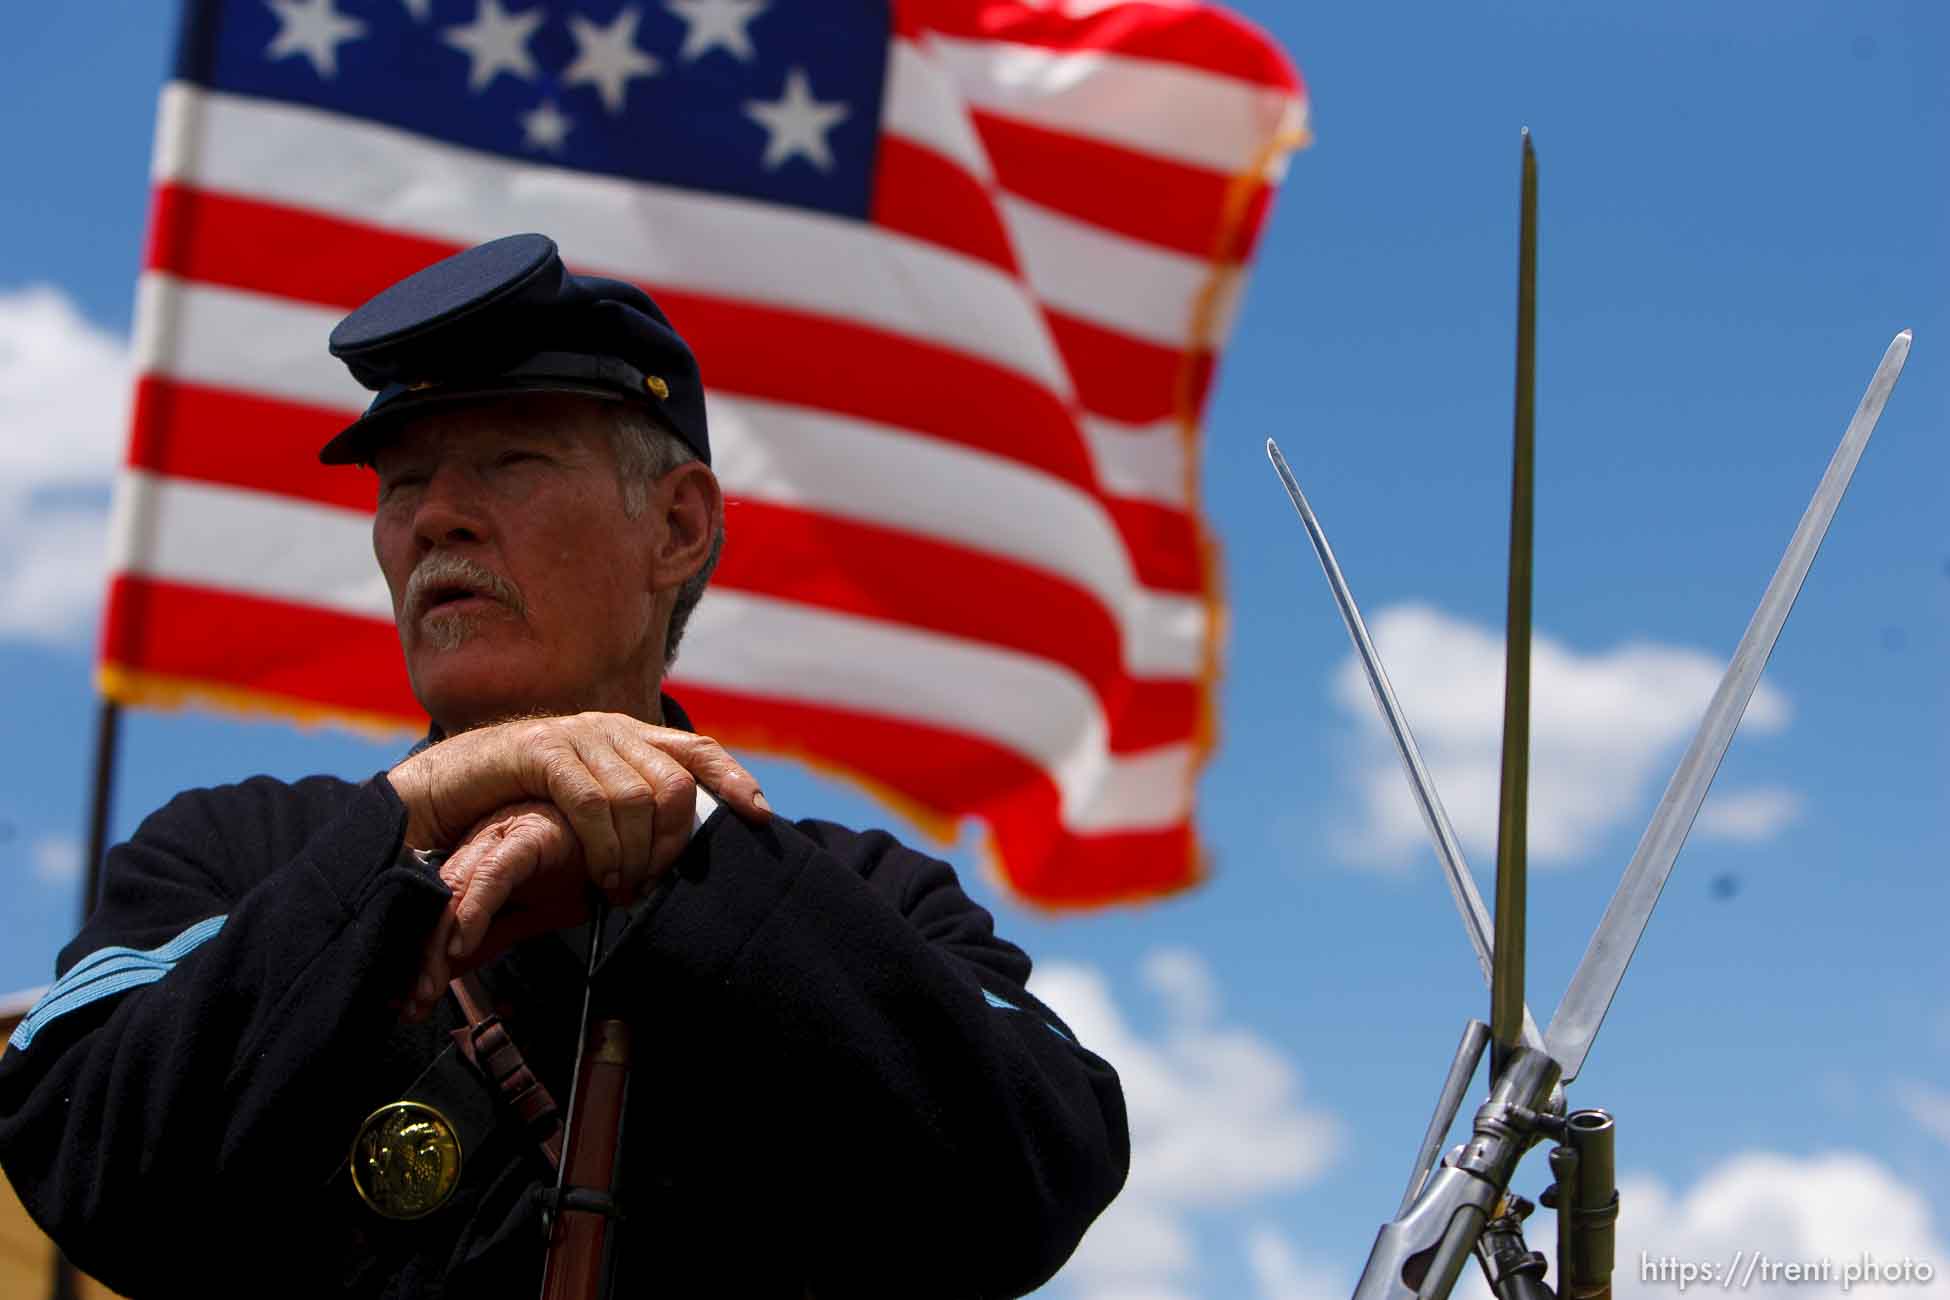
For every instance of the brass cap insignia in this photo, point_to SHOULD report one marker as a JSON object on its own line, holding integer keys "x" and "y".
{"x": 406, "y": 1160}
{"x": 657, "y": 386}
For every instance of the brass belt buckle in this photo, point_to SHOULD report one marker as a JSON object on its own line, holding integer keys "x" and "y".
{"x": 405, "y": 1162}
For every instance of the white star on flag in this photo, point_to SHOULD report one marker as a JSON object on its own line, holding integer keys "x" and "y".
{"x": 496, "y": 42}
{"x": 607, "y": 57}
{"x": 314, "y": 29}
{"x": 717, "y": 24}
{"x": 420, "y": 9}
{"x": 797, "y": 123}
{"x": 547, "y": 127}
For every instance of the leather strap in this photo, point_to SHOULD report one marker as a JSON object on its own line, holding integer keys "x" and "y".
{"x": 486, "y": 1043}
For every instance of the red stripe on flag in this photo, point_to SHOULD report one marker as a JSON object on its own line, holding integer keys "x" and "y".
{"x": 874, "y": 572}
{"x": 283, "y": 251}
{"x": 1119, "y": 377}
{"x": 300, "y": 652}
{"x": 220, "y": 435}
{"x": 949, "y": 774}
{"x": 1171, "y": 543}
{"x": 1141, "y": 196}
{"x": 928, "y": 196}
{"x": 1201, "y": 37}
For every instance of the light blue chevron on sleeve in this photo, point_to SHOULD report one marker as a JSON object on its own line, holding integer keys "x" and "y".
{"x": 108, "y": 971}
{"x": 1002, "y": 1003}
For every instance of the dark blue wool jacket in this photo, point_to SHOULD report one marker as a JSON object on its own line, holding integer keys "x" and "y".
{"x": 840, "y": 1084}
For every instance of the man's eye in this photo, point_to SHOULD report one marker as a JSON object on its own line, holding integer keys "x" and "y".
{"x": 387, "y": 487}
{"x": 516, "y": 457}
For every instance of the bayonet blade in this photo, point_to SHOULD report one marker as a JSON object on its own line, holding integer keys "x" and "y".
{"x": 1603, "y": 965}
{"x": 1448, "y": 850}
{"x": 1469, "y": 1053}
{"x": 1506, "y": 985}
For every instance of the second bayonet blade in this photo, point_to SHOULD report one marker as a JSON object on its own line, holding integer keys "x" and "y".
{"x": 1448, "y": 850}
{"x": 1603, "y": 965}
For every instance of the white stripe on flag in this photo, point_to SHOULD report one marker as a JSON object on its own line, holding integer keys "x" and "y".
{"x": 922, "y": 104}
{"x": 1185, "y": 114}
{"x": 259, "y": 543}
{"x": 1144, "y": 462}
{"x": 1122, "y": 284}
{"x": 253, "y": 342}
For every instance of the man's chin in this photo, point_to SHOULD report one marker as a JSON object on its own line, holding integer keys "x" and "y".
{"x": 469, "y": 679}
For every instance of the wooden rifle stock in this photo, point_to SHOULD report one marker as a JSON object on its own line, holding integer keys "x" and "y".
{"x": 579, "y": 1222}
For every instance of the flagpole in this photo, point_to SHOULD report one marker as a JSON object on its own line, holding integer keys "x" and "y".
{"x": 108, "y": 734}
{"x": 67, "y": 1280}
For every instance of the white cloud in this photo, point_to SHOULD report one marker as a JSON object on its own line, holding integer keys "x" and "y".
{"x": 1929, "y": 1107}
{"x": 1840, "y": 1207}
{"x": 1748, "y": 816}
{"x": 64, "y": 392}
{"x": 1216, "y": 1120}
{"x": 1139, "y": 1248}
{"x": 1604, "y": 728}
{"x": 1181, "y": 977}
{"x": 1760, "y": 1211}
{"x": 57, "y": 859}
{"x": 1281, "y": 1273}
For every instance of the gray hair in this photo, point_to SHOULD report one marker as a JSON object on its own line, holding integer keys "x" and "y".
{"x": 645, "y": 452}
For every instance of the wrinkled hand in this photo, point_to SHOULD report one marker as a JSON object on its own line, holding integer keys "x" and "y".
{"x": 518, "y": 873}
{"x": 626, "y": 789}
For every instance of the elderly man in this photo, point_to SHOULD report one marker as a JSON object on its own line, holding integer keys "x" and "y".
{"x": 250, "y": 1076}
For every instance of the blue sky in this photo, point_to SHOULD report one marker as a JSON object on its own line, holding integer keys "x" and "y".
{"x": 1740, "y": 206}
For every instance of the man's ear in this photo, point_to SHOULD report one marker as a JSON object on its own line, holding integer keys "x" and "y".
{"x": 690, "y": 507}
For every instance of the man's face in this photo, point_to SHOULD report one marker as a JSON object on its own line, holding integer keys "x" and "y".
{"x": 519, "y": 583}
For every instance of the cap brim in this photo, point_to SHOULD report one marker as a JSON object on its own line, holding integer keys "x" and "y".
{"x": 357, "y": 442}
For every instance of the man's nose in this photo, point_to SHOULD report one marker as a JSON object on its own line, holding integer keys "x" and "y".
{"x": 450, "y": 510}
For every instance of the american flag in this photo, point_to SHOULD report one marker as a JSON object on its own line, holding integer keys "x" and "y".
{"x": 957, "y": 272}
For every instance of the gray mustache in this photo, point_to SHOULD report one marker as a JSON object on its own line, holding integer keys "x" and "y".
{"x": 447, "y": 569}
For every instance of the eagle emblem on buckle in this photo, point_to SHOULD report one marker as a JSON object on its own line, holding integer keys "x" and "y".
{"x": 406, "y": 1160}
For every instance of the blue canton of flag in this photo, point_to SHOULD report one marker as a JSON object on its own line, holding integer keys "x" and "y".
{"x": 779, "y": 101}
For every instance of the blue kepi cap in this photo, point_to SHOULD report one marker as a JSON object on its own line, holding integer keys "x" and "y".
{"x": 504, "y": 318}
